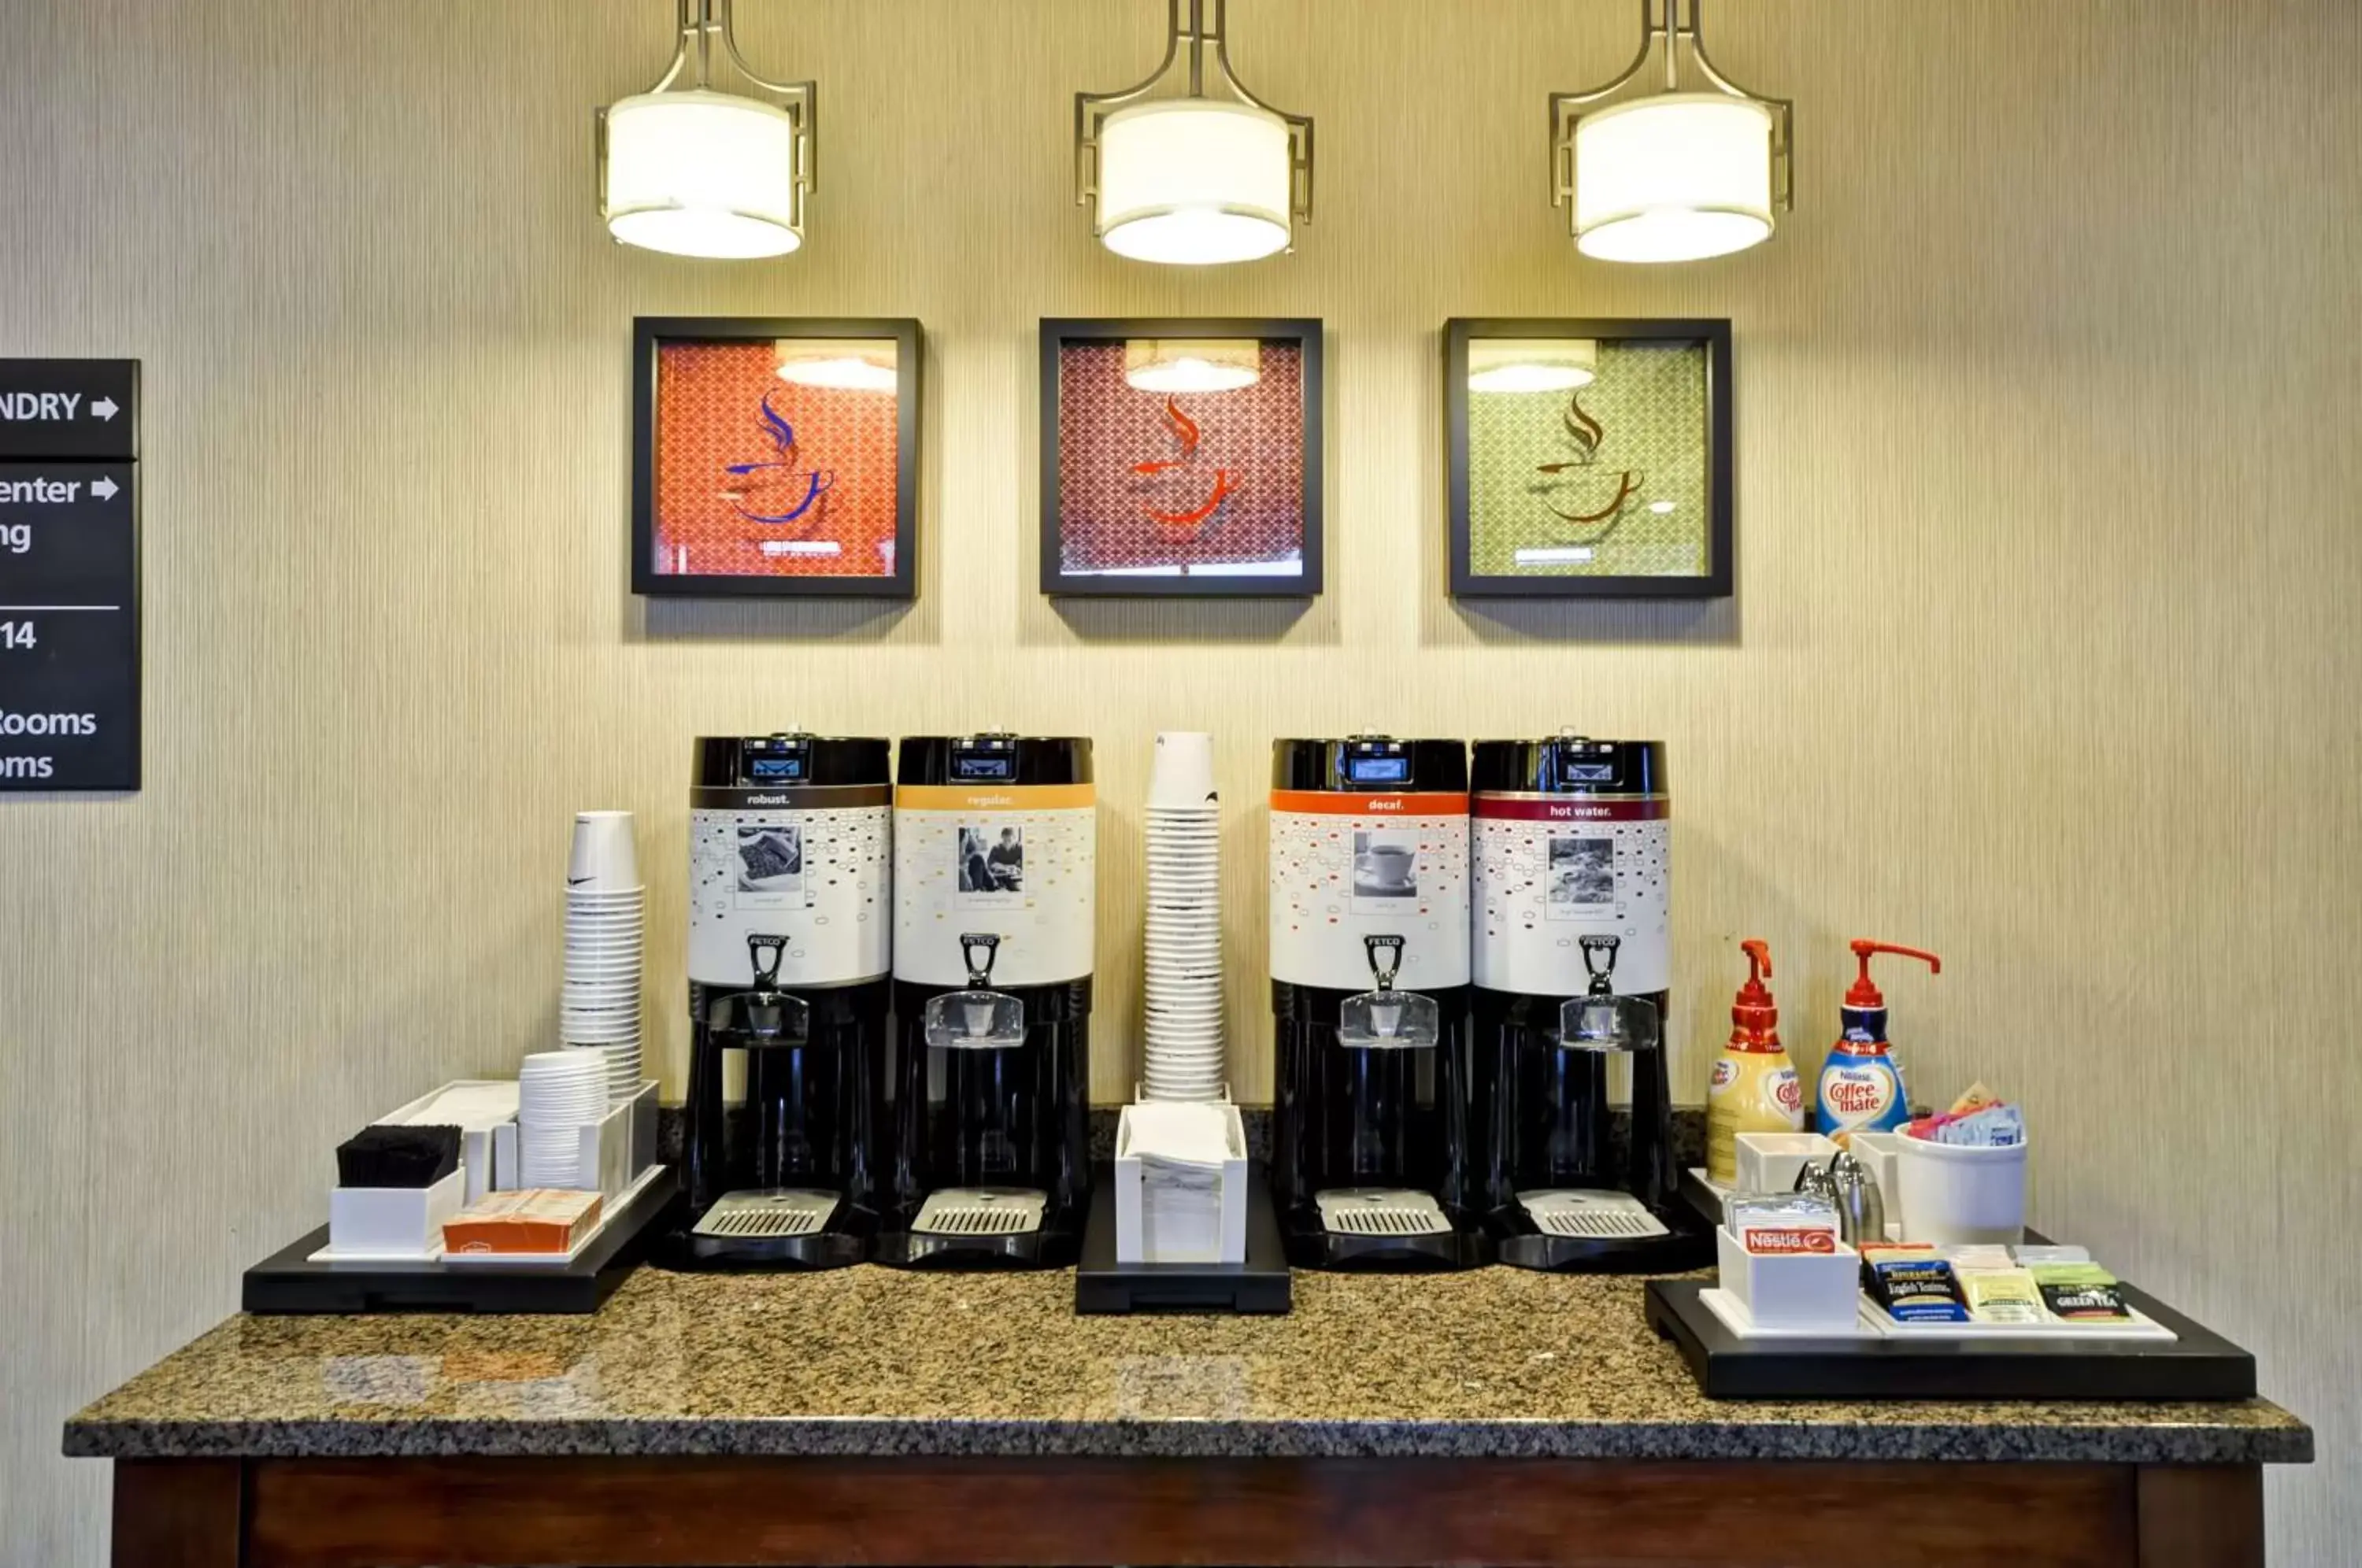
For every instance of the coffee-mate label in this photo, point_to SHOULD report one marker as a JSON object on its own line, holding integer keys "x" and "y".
{"x": 1757, "y": 1092}
{"x": 1862, "y": 1094}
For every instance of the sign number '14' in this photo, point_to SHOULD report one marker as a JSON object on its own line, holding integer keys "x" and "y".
{"x": 16, "y": 635}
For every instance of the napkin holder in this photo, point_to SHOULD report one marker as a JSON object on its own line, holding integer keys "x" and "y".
{"x": 1137, "y": 1239}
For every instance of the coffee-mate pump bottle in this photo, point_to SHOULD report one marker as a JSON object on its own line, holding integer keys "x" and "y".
{"x": 1754, "y": 1086}
{"x": 1861, "y": 1082}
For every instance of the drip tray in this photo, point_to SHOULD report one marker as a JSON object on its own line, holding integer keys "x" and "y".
{"x": 763, "y": 1216}
{"x": 981, "y": 1212}
{"x": 1380, "y": 1212}
{"x": 1591, "y": 1215}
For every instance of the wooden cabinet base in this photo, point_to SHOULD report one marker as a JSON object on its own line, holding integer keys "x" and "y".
{"x": 675, "y": 1513}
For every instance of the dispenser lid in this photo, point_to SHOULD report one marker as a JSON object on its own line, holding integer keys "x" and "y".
{"x": 993, "y": 757}
{"x": 1863, "y": 994}
{"x": 790, "y": 759}
{"x": 1570, "y": 763}
{"x": 1371, "y": 764}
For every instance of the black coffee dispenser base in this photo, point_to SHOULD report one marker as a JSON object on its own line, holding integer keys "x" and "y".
{"x": 685, "y": 1252}
{"x": 1465, "y": 1246}
{"x": 1260, "y": 1284}
{"x": 1045, "y": 1248}
{"x": 1685, "y": 1248}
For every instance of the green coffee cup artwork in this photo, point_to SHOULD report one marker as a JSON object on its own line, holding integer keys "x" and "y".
{"x": 1589, "y": 464}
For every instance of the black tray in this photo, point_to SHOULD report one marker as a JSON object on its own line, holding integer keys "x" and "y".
{"x": 1259, "y": 1284}
{"x": 290, "y": 1282}
{"x": 2200, "y": 1365}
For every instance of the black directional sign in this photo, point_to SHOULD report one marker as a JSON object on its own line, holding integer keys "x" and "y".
{"x": 68, "y": 408}
{"x": 69, "y": 575}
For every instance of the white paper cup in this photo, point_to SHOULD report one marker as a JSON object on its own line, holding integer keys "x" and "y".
{"x": 1183, "y": 772}
{"x": 603, "y": 855}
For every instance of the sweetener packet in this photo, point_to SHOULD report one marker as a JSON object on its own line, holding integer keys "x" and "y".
{"x": 1994, "y": 1127}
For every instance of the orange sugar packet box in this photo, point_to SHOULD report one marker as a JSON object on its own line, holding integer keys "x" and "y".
{"x": 539, "y": 1219}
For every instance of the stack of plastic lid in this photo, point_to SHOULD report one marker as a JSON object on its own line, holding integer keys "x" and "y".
{"x": 1184, "y": 1056}
{"x": 559, "y": 1094}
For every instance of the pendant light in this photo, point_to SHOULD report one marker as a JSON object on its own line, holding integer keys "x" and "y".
{"x": 1696, "y": 167}
{"x": 693, "y": 170}
{"x": 1193, "y": 177}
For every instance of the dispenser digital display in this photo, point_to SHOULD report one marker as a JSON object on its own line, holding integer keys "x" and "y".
{"x": 774, "y": 769}
{"x": 1377, "y": 770}
{"x": 995, "y": 767}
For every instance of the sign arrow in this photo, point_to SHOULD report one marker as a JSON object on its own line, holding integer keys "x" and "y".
{"x": 106, "y": 409}
{"x": 103, "y": 487}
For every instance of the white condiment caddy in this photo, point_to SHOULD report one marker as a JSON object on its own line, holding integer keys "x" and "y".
{"x": 617, "y": 1156}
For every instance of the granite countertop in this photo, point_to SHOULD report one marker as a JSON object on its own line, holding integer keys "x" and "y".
{"x": 1497, "y": 1363}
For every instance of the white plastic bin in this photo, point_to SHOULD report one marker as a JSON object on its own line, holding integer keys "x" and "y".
{"x": 393, "y": 1222}
{"x": 1768, "y": 1162}
{"x": 1802, "y": 1290}
{"x": 1956, "y": 1197}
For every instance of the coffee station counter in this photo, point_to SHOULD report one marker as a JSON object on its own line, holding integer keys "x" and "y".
{"x": 1498, "y": 1415}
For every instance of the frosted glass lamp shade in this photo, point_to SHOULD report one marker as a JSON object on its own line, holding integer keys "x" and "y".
{"x": 843, "y": 365}
{"x": 1520, "y": 365}
{"x": 1209, "y": 365}
{"x": 701, "y": 174}
{"x": 1194, "y": 182}
{"x": 1678, "y": 177}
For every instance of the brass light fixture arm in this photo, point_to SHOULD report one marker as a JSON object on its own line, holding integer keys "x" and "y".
{"x": 1669, "y": 27}
{"x": 1204, "y": 22}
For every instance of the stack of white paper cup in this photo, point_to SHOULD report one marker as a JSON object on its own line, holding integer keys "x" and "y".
{"x": 1184, "y": 1034}
{"x": 604, "y": 934}
{"x": 559, "y": 1094}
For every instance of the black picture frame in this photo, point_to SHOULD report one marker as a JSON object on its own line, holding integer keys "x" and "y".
{"x": 1711, "y": 334}
{"x": 1305, "y": 335}
{"x": 651, "y": 334}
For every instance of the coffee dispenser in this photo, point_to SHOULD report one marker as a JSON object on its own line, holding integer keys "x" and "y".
{"x": 1369, "y": 966}
{"x": 995, "y": 880}
{"x": 1572, "y": 959}
{"x": 790, "y": 910}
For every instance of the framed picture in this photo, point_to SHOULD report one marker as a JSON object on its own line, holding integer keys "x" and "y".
{"x": 1589, "y": 459}
{"x": 775, "y": 457}
{"x": 1181, "y": 458}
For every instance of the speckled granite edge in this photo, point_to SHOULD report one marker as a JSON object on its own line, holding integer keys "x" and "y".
{"x": 1979, "y": 1435}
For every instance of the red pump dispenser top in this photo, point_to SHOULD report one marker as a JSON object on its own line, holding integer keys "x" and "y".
{"x": 1756, "y": 1017}
{"x": 1861, "y": 993}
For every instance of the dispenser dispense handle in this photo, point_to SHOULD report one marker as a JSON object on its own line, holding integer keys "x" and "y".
{"x": 1386, "y": 958}
{"x": 1759, "y": 958}
{"x": 979, "y": 971}
{"x": 767, "y": 953}
{"x": 1599, "y": 954}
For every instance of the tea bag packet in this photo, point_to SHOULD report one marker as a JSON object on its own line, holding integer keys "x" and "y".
{"x": 2001, "y": 1295}
{"x": 2082, "y": 1293}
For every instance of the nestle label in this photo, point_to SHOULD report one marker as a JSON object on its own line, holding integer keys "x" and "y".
{"x": 1792, "y": 1241}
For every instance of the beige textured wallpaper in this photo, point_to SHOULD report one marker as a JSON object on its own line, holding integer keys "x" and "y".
{"x": 2042, "y": 655}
